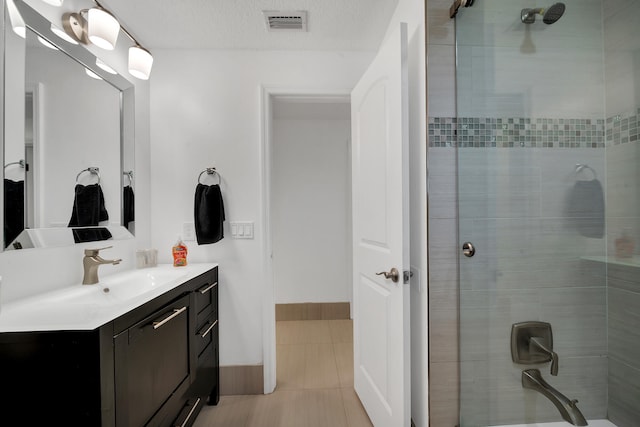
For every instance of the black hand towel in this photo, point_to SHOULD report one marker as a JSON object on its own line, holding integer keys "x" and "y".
{"x": 88, "y": 206}
{"x": 13, "y": 210}
{"x": 208, "y": 213}
{"x": 91, "y": 234}
{"x": 586, "y": 208}
{"x": 128, "y": 205}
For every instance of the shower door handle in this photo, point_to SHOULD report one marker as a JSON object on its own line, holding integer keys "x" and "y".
{"x": 468, "y": 249}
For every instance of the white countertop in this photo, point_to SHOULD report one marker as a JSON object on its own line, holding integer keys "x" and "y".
{"x": 87, "y": 307}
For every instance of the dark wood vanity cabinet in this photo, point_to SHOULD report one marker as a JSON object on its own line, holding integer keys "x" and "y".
{"x": 157, "y": 365}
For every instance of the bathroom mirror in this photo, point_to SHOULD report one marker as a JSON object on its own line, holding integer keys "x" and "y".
{"x": 68, "y": 142}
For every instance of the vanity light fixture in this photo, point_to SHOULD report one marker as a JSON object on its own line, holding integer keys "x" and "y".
{"x": 140, "y": 62}
{"x": 101, "y": 28}
{"x": 17, "y": 23}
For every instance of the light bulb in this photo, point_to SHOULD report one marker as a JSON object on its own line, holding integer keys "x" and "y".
{"x": 103, "y": 28}
{"x": 140, "y": 62}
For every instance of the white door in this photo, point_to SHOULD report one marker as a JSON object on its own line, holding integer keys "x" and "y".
{"x": 380, "y": 131}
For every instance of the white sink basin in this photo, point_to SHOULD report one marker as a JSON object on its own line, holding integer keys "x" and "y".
{"x": 87, "y": 307}
{"x": 131, "y": 284}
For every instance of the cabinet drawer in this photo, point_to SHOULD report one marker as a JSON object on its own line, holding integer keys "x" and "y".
{"x": 206, "y": 301}
{"x": 157, "y": 344}
{"x": 205, "y": 334}
{"x": 207, "y": 376}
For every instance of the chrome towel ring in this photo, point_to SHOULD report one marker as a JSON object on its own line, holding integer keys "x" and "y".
{"x": 581, "y": 167}
{"x": 92, "y": 170}
{"x": 19, "y": 162}
{"x": 129, "y": 174}
{"x": 209, "y": 171}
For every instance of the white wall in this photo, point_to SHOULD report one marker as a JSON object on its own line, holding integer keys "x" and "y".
{"x": 309, "y": 208}
{"x": 209, "y": 115}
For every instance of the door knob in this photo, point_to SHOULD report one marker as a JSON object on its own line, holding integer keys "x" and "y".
{"x": 392, "y": 274}
{"x": 468, "y": 249}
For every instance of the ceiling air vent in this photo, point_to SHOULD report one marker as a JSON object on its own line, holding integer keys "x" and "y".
{"x": 285, "y": 21}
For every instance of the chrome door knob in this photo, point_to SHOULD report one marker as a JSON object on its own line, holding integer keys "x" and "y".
{"x": 392, "y": 274}
{"x": 468, "y": 249}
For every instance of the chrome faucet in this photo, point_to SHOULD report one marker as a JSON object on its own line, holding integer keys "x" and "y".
{"x": 532, "y": 379}
{"x": 91, "y": 262}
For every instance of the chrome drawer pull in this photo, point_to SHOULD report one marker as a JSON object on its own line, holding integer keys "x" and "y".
{"x": 204, "y": 334}
{"x": 176, "y": 312}
{"x": 208, "y": 288}
{"x": 186, "y": 421}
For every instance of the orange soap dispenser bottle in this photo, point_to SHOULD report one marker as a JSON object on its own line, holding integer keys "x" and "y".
{"x": 179, "y": 253}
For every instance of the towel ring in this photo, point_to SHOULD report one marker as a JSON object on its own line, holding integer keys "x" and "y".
{"x": 209, "y": 171}
{"x": 92, "y": 170}
{"x": 581, "y": 167}
{"x": 129, "y": 174}
{"x": 19, "y": 162}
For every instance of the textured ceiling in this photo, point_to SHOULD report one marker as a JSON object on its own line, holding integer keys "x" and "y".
{"x": 239, "y": 24}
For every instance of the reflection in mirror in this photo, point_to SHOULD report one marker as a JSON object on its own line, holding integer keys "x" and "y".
{"x": 69, "y": 158}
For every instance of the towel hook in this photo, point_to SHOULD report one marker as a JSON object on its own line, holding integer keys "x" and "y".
{"x": 92, "y": 170}
{"x": 581, "y": 167}
{"x": 209, "y": 171}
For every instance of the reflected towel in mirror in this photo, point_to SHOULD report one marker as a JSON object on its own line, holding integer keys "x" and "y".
{"x": 128, "y": 206}
{"x": 88, "y": 206}
{"x": 13, "y": 210}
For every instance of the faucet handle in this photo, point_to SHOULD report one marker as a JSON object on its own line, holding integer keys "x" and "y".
{"x": 94, "y": 252}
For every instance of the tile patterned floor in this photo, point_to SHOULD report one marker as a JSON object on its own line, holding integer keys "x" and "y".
{"x": 315, "y": 383}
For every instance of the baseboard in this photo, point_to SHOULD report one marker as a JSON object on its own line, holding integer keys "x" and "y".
{"x": 313, "y": 311}
{"x": 242, "y": 379}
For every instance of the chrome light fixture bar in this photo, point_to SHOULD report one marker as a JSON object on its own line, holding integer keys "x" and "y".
{"x": 100, "y": 27}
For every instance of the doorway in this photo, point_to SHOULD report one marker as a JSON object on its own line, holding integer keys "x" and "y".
{"x": 307, "y": 208}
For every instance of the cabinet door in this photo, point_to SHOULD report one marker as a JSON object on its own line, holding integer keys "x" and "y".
{"x": 151, "y": 361}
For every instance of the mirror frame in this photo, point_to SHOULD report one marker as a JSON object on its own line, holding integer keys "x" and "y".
{"x": 42, "y": 27}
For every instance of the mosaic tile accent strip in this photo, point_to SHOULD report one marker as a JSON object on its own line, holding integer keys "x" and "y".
{"x": 516, "y": 132}
{"x": 623, "y": 128}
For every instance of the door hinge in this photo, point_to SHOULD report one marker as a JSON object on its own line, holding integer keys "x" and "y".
{"x": 406, "y": 276}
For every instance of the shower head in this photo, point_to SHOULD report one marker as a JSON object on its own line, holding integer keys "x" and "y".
{"x": 549, "y": 15}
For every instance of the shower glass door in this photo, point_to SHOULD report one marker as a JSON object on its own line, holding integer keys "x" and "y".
{"x": 548, "y": 99}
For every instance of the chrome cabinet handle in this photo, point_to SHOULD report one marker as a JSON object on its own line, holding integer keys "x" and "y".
{"x": 186, "y": 420}
{"x": 208, "y": 288}
{"x": 204, "y": 334}
{"x": 468, "y": 249}
{"x": 392, "y": 274}
{"x": 176, "y": 311}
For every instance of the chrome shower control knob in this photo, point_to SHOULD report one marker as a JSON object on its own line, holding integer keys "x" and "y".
{"x": 468, "y": 249}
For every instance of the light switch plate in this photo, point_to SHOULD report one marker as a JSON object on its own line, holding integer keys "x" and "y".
{"x": 242, "y": 229}
{"x": 188, "y": 231}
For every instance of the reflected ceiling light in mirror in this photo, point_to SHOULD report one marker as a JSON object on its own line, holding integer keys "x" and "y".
{"x": 47, "y": 43}
{"x": 17, "y": 23}
{"x": 105, "y": 67}
{"x": 64, "y": 36}
{"x": 140, "y": 62}
{"x": 54, "y": 2}
{"x": 92, "y": 74}
{"x": 102, "y": 28}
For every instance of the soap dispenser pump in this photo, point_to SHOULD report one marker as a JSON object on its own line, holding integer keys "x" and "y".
{"x": 179, "y": 253}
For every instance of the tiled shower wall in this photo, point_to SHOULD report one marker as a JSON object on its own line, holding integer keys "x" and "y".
{"x": 542, "y": 164}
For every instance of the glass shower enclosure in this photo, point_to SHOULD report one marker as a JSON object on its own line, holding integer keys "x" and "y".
{"x": 548, "y": 158}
